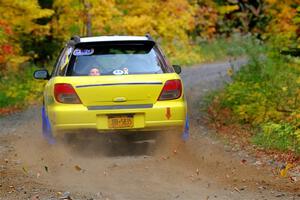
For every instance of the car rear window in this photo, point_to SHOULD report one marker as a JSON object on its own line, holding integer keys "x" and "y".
{"x": 115, "y": 59}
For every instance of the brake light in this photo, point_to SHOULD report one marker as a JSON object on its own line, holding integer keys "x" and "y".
{"x": 171, "y": 90}
{"x": 65, "y": 93}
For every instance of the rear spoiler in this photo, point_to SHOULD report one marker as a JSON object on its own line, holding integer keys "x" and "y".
{"x": 148, "y": 43}
{"x": 76, "y": 41}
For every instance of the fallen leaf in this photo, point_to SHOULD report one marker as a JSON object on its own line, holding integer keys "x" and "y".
{"x": 236, "y": 189}
{"x": 77, "y": 168}
{"x": 229, "y": 72}
{"x": 66, "y": 196}
{"x": 257, "y": 163}
{"x": 293, "y": 179}
{"x": 35, "y": 197}
{"x": 25, "y": 170}
{"x": 284, "y": 169}
{"x": 280, "y": 195}
{"x": 243, "y": 161}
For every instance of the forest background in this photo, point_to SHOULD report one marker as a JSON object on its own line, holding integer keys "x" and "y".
{"x": 264, "y": 95}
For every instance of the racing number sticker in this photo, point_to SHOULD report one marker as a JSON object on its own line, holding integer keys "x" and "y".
{"x": 83, "y": 52}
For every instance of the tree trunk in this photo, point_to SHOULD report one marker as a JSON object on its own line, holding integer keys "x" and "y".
{"x": 88, "y": 22}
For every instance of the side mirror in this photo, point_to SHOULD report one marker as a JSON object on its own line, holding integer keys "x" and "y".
{"x": 41, "y": 74}
{"x": 177, "y": 69}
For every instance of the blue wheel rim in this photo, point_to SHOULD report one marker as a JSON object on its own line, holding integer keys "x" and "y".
{"x": 47, "y": 131}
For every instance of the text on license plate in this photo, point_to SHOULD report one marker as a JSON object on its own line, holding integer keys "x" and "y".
{"x": 122, "y": 121}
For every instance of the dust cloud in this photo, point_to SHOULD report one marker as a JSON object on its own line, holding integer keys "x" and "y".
{"x": 86, "y": 161}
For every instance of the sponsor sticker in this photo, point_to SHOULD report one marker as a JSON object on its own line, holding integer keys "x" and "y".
{"x": 118, "y": 72}
{"x": 83, "y": 52}
{"x": 125, "y": 70}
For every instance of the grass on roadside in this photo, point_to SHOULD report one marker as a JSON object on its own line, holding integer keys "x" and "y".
{"x": 18, "y": 89}
{"x": 207, "y": 51}
{"x": 265, "y": 94}
{"x": 224, "y": 48}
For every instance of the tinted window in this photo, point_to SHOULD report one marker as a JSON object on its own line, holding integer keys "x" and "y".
{"x": 115, "y": 59}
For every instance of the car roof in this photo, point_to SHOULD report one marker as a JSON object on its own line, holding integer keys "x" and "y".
{"x": 112, "y": 38}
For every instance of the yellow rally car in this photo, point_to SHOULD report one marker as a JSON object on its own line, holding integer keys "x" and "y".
{"x": 110, "y": 83}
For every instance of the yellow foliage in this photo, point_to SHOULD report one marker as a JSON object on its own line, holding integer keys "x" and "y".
{"x": 137, "y": 25}
{"x": 21, "y": 15}
{"x": 297, "y": 134}
{"x": 229, "y": 72}
{"x": 67, "y": 15}
{"x": 17, "y": 18}
{"x": 285, "y": 169}
{"x": 206, "y": 17}
{"x": 102, "y": 13}
{"x": 227, "y": 9}
{"x": 174, "y": 19}
{"x": 282, "y": 27}
{"x": 162, "y": 18}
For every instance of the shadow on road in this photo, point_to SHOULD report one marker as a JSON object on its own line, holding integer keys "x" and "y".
{"x": 112, "y": 144}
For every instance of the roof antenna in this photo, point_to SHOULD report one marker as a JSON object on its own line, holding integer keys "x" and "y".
{"x": 76, "y": 38}
{"x": 149, "y": 36}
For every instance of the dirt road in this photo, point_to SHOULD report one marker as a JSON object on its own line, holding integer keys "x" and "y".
{"x": 202, "y": 168}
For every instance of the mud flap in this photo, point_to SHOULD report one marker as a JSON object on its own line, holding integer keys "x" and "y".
{"x": 186, "y": 132}
{"x": 47, "y": 132}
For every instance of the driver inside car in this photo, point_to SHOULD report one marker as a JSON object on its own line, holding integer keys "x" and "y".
{"x": 94, "y": 72}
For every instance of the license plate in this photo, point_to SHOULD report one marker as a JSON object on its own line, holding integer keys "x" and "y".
{"x": 121, "y": 121}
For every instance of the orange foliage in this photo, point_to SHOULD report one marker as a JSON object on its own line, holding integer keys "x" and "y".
{"x": 282, "y": 27}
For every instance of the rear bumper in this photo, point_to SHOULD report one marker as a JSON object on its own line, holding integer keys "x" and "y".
{"x": 64, "y": 117}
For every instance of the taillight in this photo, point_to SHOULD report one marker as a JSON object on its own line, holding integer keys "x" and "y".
{"x": 171, "y": 90}
{"x": 65, "y": 93}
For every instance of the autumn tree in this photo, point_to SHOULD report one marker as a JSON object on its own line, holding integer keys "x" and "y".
{"x": 205, "y": 19}
{"x": 283, "y": 28}
{"x": 81, "y": 17}
{"x": 17, "y": 18}
{"x": 241, "y": 16}
{"x": 165, "y": 20}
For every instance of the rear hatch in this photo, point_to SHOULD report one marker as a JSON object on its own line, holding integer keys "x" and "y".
{"x": 118, "y": 90}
